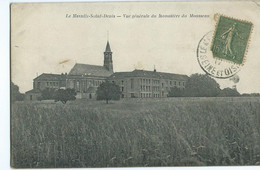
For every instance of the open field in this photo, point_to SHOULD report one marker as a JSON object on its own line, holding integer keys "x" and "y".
{"x": 136, "y": 132}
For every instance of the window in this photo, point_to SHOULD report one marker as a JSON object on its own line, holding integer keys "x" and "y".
{"x": 57, "y": 83}
{"x": 175, "y": 83}
{"x": 171, "y": 83}
{"x": 162, "y": 85}
{"x": 38, "y": 85}
{"x": 47, "y": 83}
{"x": 179, "y": 83}
{"x": 122, "y": 88}
{"x": 132, "y": 83}
{"x": 77, "y": 86}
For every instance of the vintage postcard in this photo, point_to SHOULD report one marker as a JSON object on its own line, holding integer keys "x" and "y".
{"x": 135, "y": 84}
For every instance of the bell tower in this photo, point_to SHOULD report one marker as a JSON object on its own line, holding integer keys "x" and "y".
{"x": 108, "y": 62}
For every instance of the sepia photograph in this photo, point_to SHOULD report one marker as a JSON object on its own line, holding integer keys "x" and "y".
{"x": 134, "y": 84}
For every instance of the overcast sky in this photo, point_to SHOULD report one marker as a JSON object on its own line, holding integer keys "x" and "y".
{"x": 42, "y": 38}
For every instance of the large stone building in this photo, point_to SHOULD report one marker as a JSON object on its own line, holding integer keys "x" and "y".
{"x": 85, "y": 79}
{"x": 147, "y": 84}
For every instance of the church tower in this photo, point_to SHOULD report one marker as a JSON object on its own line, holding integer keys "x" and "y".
{"x": 108, "y": 62}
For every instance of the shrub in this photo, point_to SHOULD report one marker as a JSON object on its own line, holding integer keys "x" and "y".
{"x": 175, "y": 92}
{"x": 65, "y": 95}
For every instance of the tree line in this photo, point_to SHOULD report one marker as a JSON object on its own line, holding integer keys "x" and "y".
{"x": 202, "y": 85}
{"x": 198, "y": 85}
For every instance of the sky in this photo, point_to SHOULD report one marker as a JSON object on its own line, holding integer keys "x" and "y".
{"x": 44, "y": 40}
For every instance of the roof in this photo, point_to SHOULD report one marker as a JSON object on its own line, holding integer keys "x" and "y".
{"x": 108, "y": 47}
{"x": 90, "y": 70}
{"x": 149, "y": 74}
{"x": 46, "y": 76}
{"x": 33, "y": 91}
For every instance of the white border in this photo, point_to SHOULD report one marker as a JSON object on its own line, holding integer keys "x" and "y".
{"x": 5, "y": 90}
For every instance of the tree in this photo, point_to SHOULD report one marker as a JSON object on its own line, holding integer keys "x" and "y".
{"x": 175, "y": 92}
{"x": 201, "y": 85}
{"x": 15, "y": 93}
{"x": 108, "y": 91}
{"x": 228, "y": 92}
{"x": 65, "y": 95}
{"x": 47, "y": 94}
{"x": 250, "y": 95}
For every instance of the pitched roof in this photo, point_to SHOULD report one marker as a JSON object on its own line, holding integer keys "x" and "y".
{"x": 149, "y": 74}
{"x": 46, "y": 76}
{"x": 33, "y": 91}
{"x": 90, "y": 70}
{"x": 108, "y": 47}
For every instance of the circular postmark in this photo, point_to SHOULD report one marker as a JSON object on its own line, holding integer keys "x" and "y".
{"x": 213, "y": 66}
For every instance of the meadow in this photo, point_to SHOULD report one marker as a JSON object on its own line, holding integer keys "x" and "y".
{"x": 136, "y": 132}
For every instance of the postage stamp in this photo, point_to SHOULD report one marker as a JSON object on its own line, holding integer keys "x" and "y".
{"x": 231, "y": 39}
{"x": 222, "y": 53}
{"x": 211, "y": 65}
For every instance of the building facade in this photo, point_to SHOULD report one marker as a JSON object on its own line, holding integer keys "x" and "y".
{"x": 85, "y": 79}
{"x": 147, "y": 84}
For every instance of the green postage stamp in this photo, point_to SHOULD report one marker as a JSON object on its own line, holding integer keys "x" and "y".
{"x": 231, "y": 39}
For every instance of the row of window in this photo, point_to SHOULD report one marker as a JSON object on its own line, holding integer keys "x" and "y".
{"x": 48, "y": 84}
{"x": 149, "y": 95}
{"x": 154, "y": 88}
{"x": 145, "y": 88}
{"x": 51, "y": 83}
{"x": 86, "y": 84}
{"x": 146, "y": 95}
{"x": 148, "y": 81}
{"x": 145, "y": 81}
{"x": 90, "y": 82}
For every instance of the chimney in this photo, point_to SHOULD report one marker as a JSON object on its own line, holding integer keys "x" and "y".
{"x": 154, "y": 70}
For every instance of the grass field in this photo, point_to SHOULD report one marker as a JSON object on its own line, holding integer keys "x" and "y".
{"x": 136, "y": 132}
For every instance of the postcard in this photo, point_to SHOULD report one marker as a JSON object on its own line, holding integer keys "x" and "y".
{"x": 135, "y": 84}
